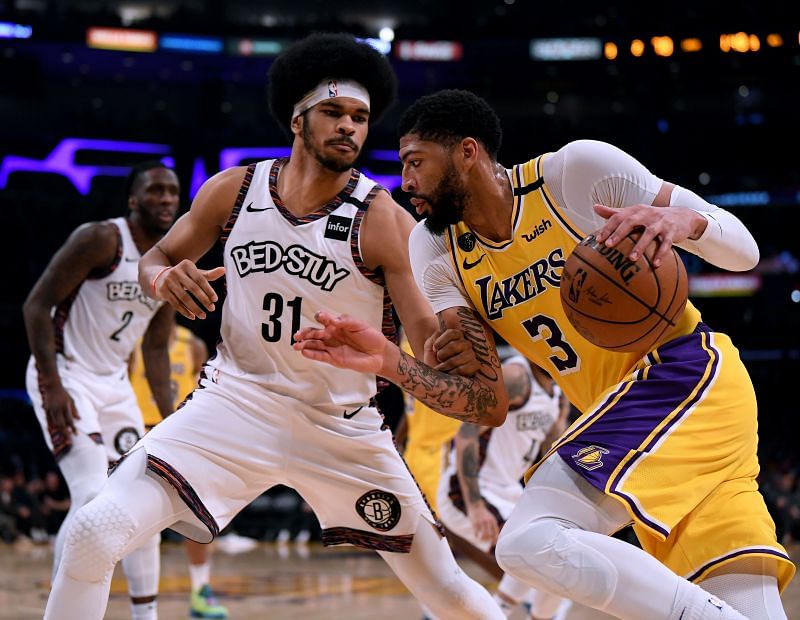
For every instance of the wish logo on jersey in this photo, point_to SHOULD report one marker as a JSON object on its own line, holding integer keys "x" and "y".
{"x": 128, "y": 291}
{"x": 498, "y": 295}
{"x": 268, "y": 256}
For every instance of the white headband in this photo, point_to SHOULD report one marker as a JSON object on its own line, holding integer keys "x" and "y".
{"x": 328, "y": 89}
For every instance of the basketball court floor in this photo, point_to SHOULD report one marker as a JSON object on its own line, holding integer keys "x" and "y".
{"x": 270, "y": 581}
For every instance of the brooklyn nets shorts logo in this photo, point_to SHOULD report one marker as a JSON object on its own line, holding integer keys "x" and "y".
{"x": 125, "y": 439}
{"x": 379, "y": 509}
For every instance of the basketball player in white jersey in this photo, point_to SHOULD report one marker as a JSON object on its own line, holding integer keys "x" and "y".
{"x": 483, "y": 481}
{"x": 298, "y": 234}
{"x": 84, "y": 317}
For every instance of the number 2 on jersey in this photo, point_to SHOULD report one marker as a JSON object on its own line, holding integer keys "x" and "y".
{"x": 126, "y": 320}
{"x": 273, "y": 304}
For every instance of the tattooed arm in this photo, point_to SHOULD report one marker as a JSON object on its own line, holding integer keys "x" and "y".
{"x": 484, "y": 523}
{"x": 347, "y": 342}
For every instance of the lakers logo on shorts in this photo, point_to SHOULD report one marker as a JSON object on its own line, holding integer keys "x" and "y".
{"x": 590, "y": 458}
{"x": 379, "y": 509}
{"x": 125, "y": 439}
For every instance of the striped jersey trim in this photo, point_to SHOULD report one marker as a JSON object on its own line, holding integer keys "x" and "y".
{"x": 342, "y": 196}
{"x": 167, "y": 473}
{"x": 248, "y": 178}
{"x": 99, "y": 273}
{"x": 367, "y": 540}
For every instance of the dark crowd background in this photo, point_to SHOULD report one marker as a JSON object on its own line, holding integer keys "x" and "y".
{"x": 722, "y": 123}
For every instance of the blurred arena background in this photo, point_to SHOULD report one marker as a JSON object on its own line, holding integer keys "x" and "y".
{"x": 706, "y": 96}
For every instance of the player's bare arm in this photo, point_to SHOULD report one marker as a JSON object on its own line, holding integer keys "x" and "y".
{"x": 384, "y": 245}
{"x": 155, "y": 355}
{"x": 347, "y": 342}
{"x": 90, "y": 247}
{"x": 467, "y": 467}
{"x": 168, "y": 271}
{"x": 518, "y": 385}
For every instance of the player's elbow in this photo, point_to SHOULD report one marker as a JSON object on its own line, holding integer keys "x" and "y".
{"x": 748, "y": 259}
{"x": 496, "y": 415}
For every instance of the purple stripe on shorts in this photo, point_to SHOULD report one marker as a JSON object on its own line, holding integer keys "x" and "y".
{"x": 735, "y": 554}
{"x": 600, "y": 447}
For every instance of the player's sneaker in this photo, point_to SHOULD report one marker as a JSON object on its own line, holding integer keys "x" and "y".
{"x": 203, "y": 604}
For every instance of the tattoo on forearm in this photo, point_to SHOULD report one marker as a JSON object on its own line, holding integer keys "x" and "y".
{"x": 473, "y": 331}
{"x": 442, "y": 391}
{"x": 469, "y": 472}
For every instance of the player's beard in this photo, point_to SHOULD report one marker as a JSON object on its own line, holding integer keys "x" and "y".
{"x": 447, "y": 202}
{"x": 342, "y": 163}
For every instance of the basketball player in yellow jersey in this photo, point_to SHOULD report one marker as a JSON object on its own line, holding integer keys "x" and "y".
{"x": 668, "y": 437}
{"x": 187, "y": 354}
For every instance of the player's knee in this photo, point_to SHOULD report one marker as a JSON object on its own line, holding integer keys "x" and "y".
{"x": 530, "y": 552}
{"x": 96, "y": 539}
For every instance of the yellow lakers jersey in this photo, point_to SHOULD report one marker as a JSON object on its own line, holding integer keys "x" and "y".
{"x": 181, "y": 379}
{"x": 514, "y": 285}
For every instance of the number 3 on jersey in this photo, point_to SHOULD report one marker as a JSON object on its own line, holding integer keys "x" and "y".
{"x": 273, "y": 304}
{"x": 541, "y": 326}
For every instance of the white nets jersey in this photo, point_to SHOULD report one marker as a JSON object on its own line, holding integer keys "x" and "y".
{"x": 508, "y": 451}
{"x": 98, "y": 325}
{"x": 280, "y": 270}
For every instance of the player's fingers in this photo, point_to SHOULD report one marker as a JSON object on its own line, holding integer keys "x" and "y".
{"x": 664, "y": 247}
{"x": 73, "y": 410}
{"x": 648, "y": 234}
{"x": 309, "y": 333}
{"x": 214, "y": 274}
{"x": 185, "y": 303}
{"x": 199, "y": 289}
{"x": 318, "y": 356}
{"x": 604, "y": 211}
{"x": 446, "y": 337}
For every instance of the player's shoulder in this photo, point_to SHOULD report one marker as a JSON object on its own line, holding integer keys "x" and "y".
{"x": 581, "y": 158}
{"x": 423, "y": 239}
{"x": 98, "y": 237}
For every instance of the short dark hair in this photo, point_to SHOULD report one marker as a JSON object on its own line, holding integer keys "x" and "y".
{"x": 307, "y": 62}
{"x": 449, "y": 116}
{"x": 139, "y": 169}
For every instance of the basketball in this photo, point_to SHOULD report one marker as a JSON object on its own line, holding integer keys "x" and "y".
{"x": 620, "y": 304}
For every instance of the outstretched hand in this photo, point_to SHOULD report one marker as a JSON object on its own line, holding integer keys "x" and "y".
{"x": 667, "y": 225}
{"x": 344, "y": 342}
{"x": 188, "y": 289}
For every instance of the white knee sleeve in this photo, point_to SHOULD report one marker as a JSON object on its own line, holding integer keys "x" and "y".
{"x": 97, "y": 535}
{"x": 549, "y": 553}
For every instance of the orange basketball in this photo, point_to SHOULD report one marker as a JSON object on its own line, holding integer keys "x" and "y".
{"x": 620, "y": 304}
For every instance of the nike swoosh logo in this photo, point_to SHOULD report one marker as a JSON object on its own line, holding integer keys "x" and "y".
{"x": 131, "y": 260}
{"x": 468, "y": 265}
{"x": 252, "y": 210}
{"x": 347, "y": 416}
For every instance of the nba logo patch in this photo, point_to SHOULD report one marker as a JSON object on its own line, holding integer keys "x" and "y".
{"x": 338, "y": 227}
{"x": 333, "y": 89}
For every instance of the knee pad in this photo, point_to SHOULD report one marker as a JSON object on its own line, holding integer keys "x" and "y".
{"x": 549, "y": 555}
{"x": 97, "y": 536}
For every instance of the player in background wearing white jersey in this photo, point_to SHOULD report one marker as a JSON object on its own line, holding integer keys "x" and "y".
{"x": 483, "y": 481}
{"x": 298, "y": 234}
{"x": 84, "y": 317}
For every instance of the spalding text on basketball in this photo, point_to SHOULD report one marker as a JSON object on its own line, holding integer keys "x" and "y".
{"x": 621, "y": 263}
